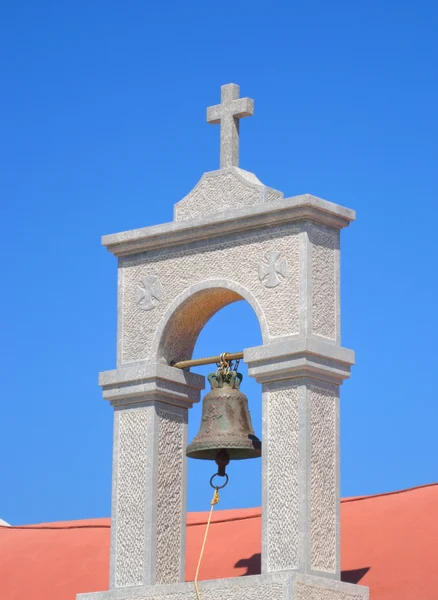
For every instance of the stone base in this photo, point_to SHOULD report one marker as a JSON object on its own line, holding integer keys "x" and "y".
{"x": 286, "y": 585}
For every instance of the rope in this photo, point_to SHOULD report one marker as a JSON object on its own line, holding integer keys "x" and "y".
{"x": 214, "y": 501}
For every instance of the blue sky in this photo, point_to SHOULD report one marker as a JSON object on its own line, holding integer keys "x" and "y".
{"x": 103, "y": 130}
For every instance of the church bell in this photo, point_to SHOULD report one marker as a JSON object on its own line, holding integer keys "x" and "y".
{"x": 226, "y": 431}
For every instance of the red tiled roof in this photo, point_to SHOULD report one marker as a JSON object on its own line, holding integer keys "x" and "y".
{"x": 388, "y": 542}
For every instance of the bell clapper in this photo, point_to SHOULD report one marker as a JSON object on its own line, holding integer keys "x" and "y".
{"x": 222, "y": 460}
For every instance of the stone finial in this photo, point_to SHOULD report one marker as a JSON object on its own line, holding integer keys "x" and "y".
{"x": 228, "y": 188}
{"x": 227, "y": 113}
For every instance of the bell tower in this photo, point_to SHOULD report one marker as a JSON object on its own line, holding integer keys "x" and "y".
{"x": 169, "y": 286}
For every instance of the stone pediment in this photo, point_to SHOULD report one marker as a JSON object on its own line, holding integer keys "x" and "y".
{"x": 226, "y": 189}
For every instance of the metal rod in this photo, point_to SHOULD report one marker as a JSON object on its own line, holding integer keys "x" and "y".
{"x": 209, "y": 360}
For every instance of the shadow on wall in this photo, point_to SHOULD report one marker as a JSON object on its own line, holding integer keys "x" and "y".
{"x": 253, "y": 564}
{"x": 354, "y": 575}
{"x": 253, "y": 567}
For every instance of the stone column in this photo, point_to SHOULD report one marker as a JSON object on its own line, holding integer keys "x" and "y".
{"x": 148, "y": 516}
{"x": 300, "y": 465}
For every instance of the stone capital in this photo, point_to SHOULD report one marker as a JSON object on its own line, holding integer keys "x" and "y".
{"x": 299, "y": 357}
{"x": 148, "y": 382}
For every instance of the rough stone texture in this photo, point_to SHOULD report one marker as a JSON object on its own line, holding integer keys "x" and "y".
{"x": 313, "y": 592}
{"x": 280, "y": 451}
{"x": 287, "y": 585}
{"x": 269, "y": 592}
{"x": 325, "y": 247}
{"x": 235, "y": 262}
{"x": 300, "y": 453}
{"x": 170, "y": 495}
{"x": 149, "y": 471}
{"x": 219, "y": 191}
{"x": 134, "y": 425}
{"x": 148, "y": 514}
{"x": 324, "y": 484}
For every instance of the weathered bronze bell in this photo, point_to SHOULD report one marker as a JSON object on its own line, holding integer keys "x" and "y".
{"x": 226, "y": 431}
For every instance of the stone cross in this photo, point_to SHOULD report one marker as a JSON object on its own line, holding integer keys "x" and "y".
{"x": 227, "y": 113}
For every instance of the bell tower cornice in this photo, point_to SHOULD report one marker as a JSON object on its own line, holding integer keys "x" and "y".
{"x": 290, "y": 210}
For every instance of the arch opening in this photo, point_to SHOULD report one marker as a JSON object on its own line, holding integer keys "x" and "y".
{"x": 195, "y": 320}
{"x": 187, "y": 316}
{"x": 232, "y": 328}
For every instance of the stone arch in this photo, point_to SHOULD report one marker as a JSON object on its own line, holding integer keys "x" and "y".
{"x": 185, "y": 318}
